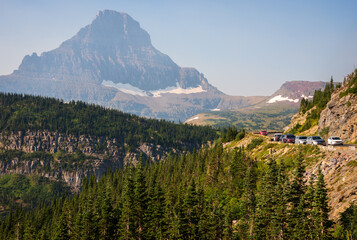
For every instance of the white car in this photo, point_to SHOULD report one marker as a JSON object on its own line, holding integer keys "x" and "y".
{"x": 300, "y": 140}
{"x": 334, "y": 141}
{"x": 315, "y": 140}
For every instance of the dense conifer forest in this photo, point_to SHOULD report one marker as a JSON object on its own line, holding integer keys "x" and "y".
{"x": 209, "y": 194}
{"x": 24, "y": 112}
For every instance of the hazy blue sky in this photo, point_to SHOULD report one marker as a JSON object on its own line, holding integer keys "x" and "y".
{"x": 242, "y": 47}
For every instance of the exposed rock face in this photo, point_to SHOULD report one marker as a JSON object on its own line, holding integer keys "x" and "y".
{"x": 112, "y": 48}
{"x": 339, "y": 168}
{"x": 112, "y": 62}
{"x": 101, "y": 155}
{"x": 340, "y": 116}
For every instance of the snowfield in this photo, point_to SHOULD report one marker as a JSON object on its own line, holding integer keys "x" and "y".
{"x": 195, "y": 118}
{"x": 280, "y": 98}
{"x": 130, "y": 89}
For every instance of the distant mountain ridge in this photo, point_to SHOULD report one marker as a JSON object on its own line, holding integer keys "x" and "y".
{"x": 272, "y": 113}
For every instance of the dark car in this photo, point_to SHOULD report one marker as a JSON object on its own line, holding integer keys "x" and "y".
{"x": 277, "y": 137}
{"x": 288, "y": 138}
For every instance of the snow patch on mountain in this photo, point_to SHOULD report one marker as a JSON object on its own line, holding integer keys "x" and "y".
{"x": 177, "y": 90}
{"x": 125, "y": 87}
{"x": 130, "y": 89}
{"x": 307, "y": 97}
{"x": 280, "y": 98}
{"x": 195, "y": 118}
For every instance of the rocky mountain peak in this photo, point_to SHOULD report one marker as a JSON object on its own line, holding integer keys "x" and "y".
{"x": 112, "y": 50}
{"x": 113, "y": 29}
{"x": 294, "y": 91}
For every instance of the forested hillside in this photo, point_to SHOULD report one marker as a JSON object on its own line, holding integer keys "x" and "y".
{"x": 23, "y": 112}
{"x": 61, "y": 143}
{"x": 210, "y": 194}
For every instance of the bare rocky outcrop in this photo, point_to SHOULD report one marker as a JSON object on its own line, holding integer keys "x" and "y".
{"x": 340, "y": 116}
{"x": 339, "y": 167}
{"x": 100, "y": 153}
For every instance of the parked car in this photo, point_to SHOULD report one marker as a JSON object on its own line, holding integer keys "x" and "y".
{"x": 300, "y": 139}
{"x": 315, "y": 140}
{"x": 288, "y": 138}
{"x": 334, "y": 141}
{"x": 263, "y": 132}
{"x": 277, "y": 137}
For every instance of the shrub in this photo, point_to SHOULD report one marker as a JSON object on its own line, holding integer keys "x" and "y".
{"x": 324, "y": 131}
{"x": 352, "y": 164}
{"x": 254, "y": 143}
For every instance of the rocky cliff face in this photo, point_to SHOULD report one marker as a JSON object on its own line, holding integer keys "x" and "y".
{"x": 112, "y": 48}
{"x": 98, "y": 155}
{"x": 340, "y": 116}
{"x": 107, "y": 62}
{"x": 339, "y": 167}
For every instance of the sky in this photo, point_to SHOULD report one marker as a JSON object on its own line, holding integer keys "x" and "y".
{"x": 243, "y": 48}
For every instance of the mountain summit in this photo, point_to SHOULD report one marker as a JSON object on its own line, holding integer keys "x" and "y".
{"x": 112, "y": 49}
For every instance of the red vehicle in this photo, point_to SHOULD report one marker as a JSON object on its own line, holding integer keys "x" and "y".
{"x": 288, "y": 138}
{"x": 263, "y": 132}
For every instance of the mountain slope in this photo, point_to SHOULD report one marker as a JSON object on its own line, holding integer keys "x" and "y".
{"x": 340, "y": 115}
{"x": 68, "y": 141}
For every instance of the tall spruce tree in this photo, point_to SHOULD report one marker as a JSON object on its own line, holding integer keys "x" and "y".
{"x": 62, "y": 229}
{"x": 191, "y": 210}
{"x": 296, "y": 194}
{"x": 265, "y": 203}
{"x": 127, "y": 222}
{"x": 321, "y": 208}
{"x": 140, "y": 202}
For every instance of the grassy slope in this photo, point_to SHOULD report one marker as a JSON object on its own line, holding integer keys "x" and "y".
{"x": 272, "y": 118}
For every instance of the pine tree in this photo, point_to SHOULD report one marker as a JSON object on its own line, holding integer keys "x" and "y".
{"x": 296, "y": 194}
{"x": 280, "y": 202}
{"x": 191, "y": 210}
{"x": 107, "y": 222}
{"x": 126, "y": 223}
{"x": 321, "y": 208}
{"x": 140, "y": 201}
{"x": 246, "y": 224}
{"x": 265, "y": 203}
{"x": 171, "y": 217}
{"x": 62, "y": 229}
{"x": 90, "y": 226}
{"x": 155, "y": 219}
